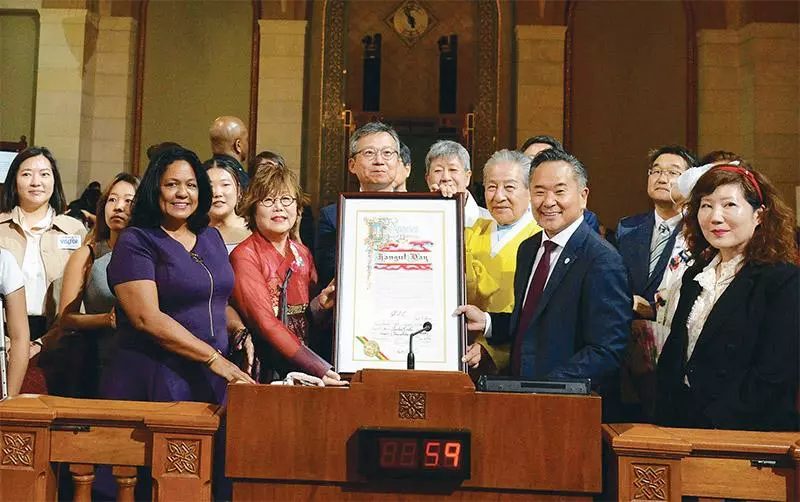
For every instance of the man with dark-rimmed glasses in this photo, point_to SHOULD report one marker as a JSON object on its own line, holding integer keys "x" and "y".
{"x": 646, "y": 243}
{"x": 646, "y": 240}
{"x": 374, "y": 159}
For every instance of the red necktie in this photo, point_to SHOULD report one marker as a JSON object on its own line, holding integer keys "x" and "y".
{"x": 531, "y": 301}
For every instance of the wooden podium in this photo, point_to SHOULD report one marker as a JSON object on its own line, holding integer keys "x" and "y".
{"x": 302, "y": 443}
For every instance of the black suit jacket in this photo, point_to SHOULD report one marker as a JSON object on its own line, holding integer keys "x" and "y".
{"x": 325, "y": 243}
{"x": 634, "y": 235}
{"x": 582, "y": 323}
{"x": 743, "y": 372}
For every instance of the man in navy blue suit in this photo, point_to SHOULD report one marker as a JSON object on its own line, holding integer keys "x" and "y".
{"x": 572, "y": 310}
{"x": 646, "y": 241}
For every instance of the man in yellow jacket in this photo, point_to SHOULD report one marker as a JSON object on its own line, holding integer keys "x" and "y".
{"x": 491, "y": 244}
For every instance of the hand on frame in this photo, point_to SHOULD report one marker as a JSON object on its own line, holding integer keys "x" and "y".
{"x": 473, "y": 355}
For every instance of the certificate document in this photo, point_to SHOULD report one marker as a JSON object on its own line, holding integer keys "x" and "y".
{"x": 400, "y": 265}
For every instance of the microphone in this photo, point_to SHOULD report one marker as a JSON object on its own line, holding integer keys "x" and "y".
{"x": 410, "y": 359}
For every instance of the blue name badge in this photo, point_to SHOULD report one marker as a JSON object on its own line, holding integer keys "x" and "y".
{"x": 69, "y": 241}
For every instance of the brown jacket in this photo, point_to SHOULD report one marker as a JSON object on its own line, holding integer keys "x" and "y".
{"x": 12, "y": 238}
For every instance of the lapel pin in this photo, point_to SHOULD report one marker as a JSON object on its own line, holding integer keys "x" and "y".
{"x": 566, "y": 261}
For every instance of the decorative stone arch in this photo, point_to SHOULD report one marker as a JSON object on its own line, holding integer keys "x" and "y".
{"x": 326, "y": 171}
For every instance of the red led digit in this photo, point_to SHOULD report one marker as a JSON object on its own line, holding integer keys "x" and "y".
{"x": 432, "y": 449}
{"x": 408, "y": 454}
{"x": 452, "y": 454}
{"x": 388, "y": 448}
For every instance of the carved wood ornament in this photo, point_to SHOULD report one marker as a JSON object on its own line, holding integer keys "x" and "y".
{"x": 412, "y": 405}
{"x": 184, "y": 456}
{"x": 17, "y": 449}
{"x": 333, "y": 97}
{"x": 650, "y": 482}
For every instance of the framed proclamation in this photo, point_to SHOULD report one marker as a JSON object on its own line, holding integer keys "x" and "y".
{"x": 400, "y": 270}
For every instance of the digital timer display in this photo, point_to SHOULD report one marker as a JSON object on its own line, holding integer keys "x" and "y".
{"x": 404, "y": 453}
{"x": 410, "y": 453}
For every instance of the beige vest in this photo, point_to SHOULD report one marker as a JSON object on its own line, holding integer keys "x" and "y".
{"x": 12, "y": 238}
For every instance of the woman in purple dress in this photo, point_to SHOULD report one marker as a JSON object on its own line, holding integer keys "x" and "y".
{"x": 171, "y": 276}
{"x": 172, "y": 279}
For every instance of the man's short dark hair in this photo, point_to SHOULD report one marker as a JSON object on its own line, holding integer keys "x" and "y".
{"x": 368, "y": 129}
{"x": 554, "y": 155}
{"x": 146, "y": 212}
{"x": 678, "y": 150}
{"x": 153, "y": 150}
{"x": 267, "y": 157}
{"x": 718, "y": 156}
{"x": 547, "y": 140}
{"x": 405, "y": 154}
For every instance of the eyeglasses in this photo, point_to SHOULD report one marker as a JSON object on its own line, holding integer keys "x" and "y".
{"x": 371, "y": 153}
{"x": 285, "y": 201}
{"x": 669, "y": 173}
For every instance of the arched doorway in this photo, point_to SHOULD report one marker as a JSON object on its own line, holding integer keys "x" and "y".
{"x": 627, "y": 92}
{"x": 191, "y": 67}
{"x": 328, "y": 125}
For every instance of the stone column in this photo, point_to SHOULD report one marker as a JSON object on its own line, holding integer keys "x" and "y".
{"x": 749, "y": 80}
{"x": 540, "y": 81}
{"x": 718, "y": 91}
{"x": 280, "y": 88}
{"x": 106, "y": 146}
{"x": 87, "y": 102}
{"x": 770, "y": 115}
{"x": 59, "y": 89}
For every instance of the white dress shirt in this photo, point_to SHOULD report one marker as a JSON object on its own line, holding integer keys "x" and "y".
{"x": 473, "y": 212}
{"x": 560, "y": 239}
{"x": 503, "y": 234}
{"x": 32, "y": 264}
{"x": 671, "y": 223}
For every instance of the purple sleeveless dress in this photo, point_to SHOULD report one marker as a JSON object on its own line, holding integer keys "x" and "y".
{"x": 193, "y": 289}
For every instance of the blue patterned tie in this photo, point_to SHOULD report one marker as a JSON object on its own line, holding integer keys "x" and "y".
{"x": 661, "y": 242}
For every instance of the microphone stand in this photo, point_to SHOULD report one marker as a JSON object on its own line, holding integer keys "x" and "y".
{"x": 410, "y": 359}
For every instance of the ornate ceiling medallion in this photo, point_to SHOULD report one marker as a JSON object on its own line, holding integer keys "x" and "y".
{"x": 411, "y": 20}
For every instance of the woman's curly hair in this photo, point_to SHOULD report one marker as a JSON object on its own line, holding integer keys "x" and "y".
{"x": 773, "y": 240}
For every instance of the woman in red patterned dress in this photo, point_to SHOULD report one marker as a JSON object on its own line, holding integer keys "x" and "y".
{"x": 276, "y": 277}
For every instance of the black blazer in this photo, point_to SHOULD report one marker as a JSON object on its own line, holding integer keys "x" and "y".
{"x": 633, "y": 241}
{"x": 743, "y": 372}
{"x": 325, "y": 244}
